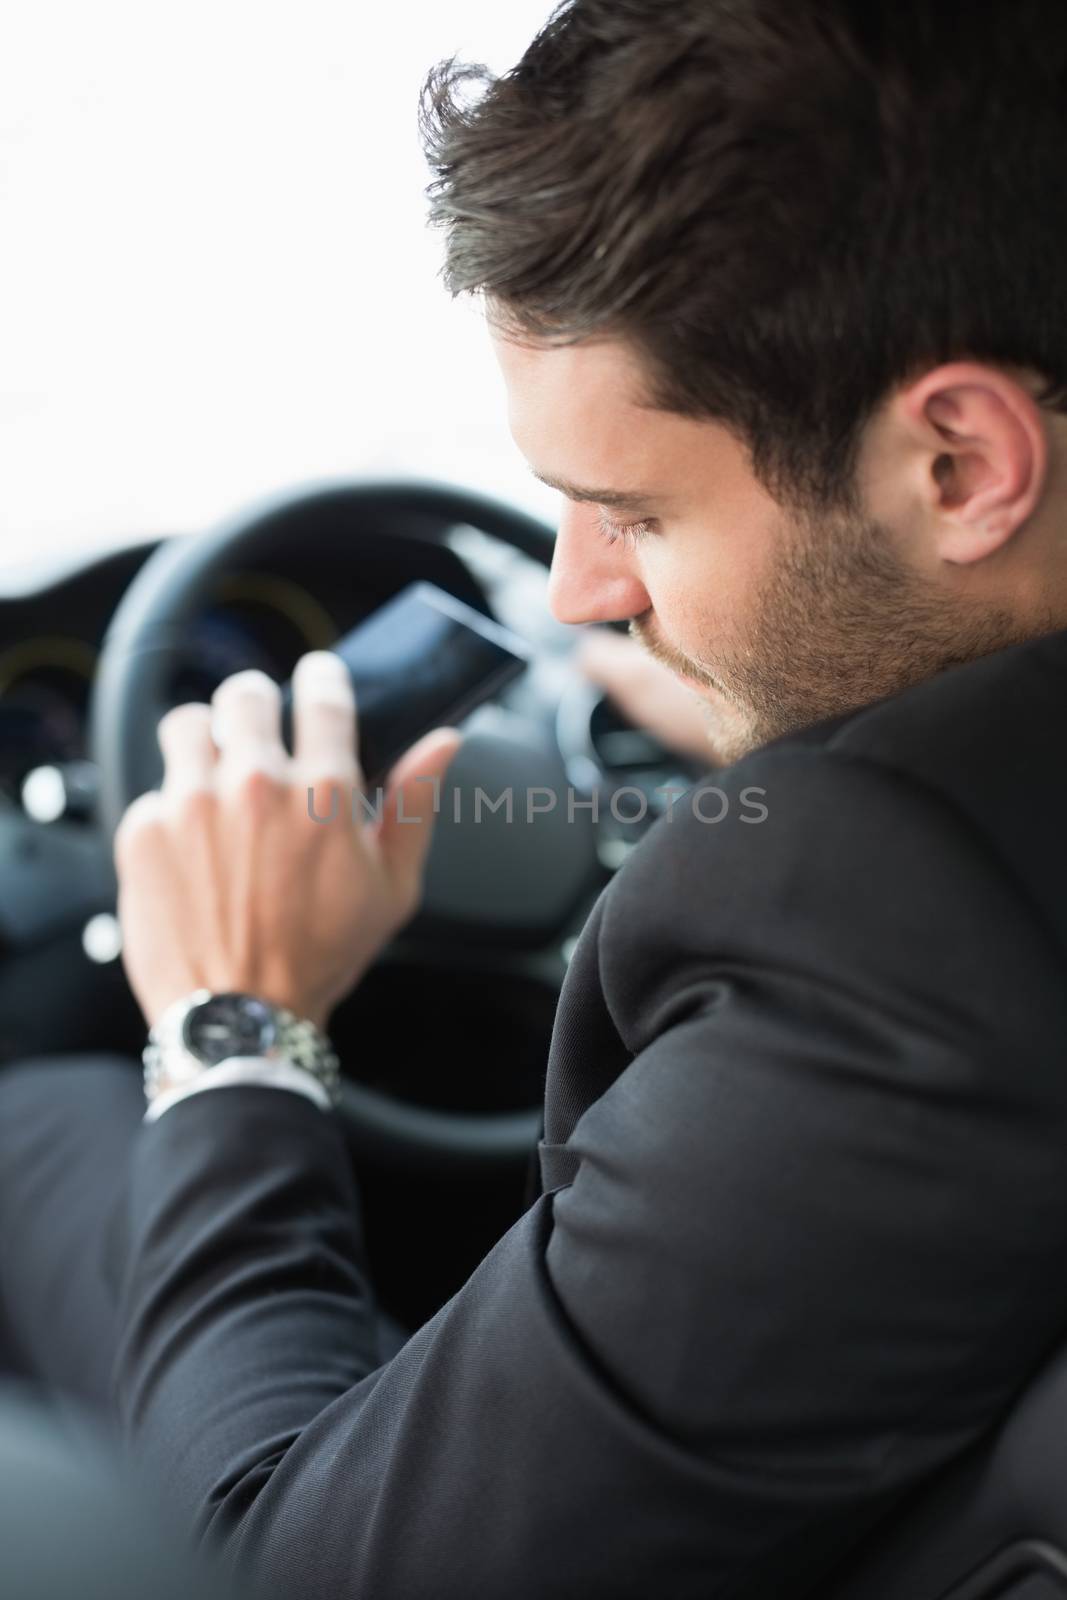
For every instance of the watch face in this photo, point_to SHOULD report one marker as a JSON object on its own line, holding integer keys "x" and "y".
{"x": 229, "y": 1025}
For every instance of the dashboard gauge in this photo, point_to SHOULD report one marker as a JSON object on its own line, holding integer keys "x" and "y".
{"x": 287, "y": 602}
{"x": 39, "y": 724}
{"x": 44, "y": 691}
{"x": 258, "y": 621}
{"x": 219, "y": 644}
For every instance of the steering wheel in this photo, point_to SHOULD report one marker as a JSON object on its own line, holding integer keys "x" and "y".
{"x": 142, "y": 650}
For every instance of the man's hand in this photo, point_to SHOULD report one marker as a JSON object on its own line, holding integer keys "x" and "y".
{"x": 648, "y": 693}
{"x": 227, "y": 881}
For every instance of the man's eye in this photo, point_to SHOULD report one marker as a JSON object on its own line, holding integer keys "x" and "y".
{"x": 632, "y": 532}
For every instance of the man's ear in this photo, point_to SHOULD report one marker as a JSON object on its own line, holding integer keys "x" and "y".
{"x": 985, "y": 455}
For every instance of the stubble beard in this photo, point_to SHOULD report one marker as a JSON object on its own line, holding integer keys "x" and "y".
{"x": 841, "y": 623}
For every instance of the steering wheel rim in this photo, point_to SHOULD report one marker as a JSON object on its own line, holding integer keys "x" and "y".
{"x": 139, "y": 652}
{"x": 146, "y": 631}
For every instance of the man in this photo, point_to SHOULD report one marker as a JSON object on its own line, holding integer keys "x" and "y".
{"x": 776, "y": 293}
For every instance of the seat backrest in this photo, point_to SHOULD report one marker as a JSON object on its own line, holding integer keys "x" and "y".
{"x": 993, "y": 1526}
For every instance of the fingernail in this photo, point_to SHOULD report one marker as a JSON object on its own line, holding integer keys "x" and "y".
{"x": 251, "y": 678}
{"x": 321, "y": 664}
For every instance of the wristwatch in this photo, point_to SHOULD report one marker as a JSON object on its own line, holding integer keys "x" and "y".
{"x": 205, "y": 1028}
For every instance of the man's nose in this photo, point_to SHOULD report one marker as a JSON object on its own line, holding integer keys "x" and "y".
{"x": 592, "y": 580}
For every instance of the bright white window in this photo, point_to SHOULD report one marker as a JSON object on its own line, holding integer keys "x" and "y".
{"x": 217, "y": 276}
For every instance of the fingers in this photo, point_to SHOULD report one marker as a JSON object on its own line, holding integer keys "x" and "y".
{"x": 324, "y": 718}
{"x": 189, "y": 752}
{"x": 137, "y": 834}
{"x": 160, "y": 962}
{"x": 412, "y": 799}
{"x": 247, "y": 726}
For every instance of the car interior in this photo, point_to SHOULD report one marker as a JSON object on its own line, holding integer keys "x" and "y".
{"x": 93, "y": 652}
{"x": 90, "y": 658}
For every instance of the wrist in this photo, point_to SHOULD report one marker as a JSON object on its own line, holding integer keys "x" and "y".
{"x": 203, "y": 1030}
{"x": 248, "y": 1071}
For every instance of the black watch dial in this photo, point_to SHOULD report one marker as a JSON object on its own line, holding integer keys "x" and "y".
{"x": 229, "y": 1025}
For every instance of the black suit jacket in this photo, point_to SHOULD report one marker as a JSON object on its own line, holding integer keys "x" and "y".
{"x": 803, "y": 1230}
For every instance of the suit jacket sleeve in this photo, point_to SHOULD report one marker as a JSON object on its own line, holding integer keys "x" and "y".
{"x": 813, "y": 1242}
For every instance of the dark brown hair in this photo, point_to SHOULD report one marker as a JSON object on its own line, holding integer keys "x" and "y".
{"x": 785, "y": 206}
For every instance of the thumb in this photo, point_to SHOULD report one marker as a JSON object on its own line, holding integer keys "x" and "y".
{"x": 411, "y": 798}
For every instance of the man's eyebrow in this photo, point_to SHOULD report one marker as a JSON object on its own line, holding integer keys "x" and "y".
{"x": 620, "y": 499}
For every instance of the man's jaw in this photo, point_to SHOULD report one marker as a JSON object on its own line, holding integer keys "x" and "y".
{"x": 732, "y": 730}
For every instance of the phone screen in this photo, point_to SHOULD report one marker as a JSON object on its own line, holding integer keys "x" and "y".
{"x": 422, "y": 660}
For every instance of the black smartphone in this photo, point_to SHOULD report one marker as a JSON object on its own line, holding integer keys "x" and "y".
{"x": 423, "y": 660}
